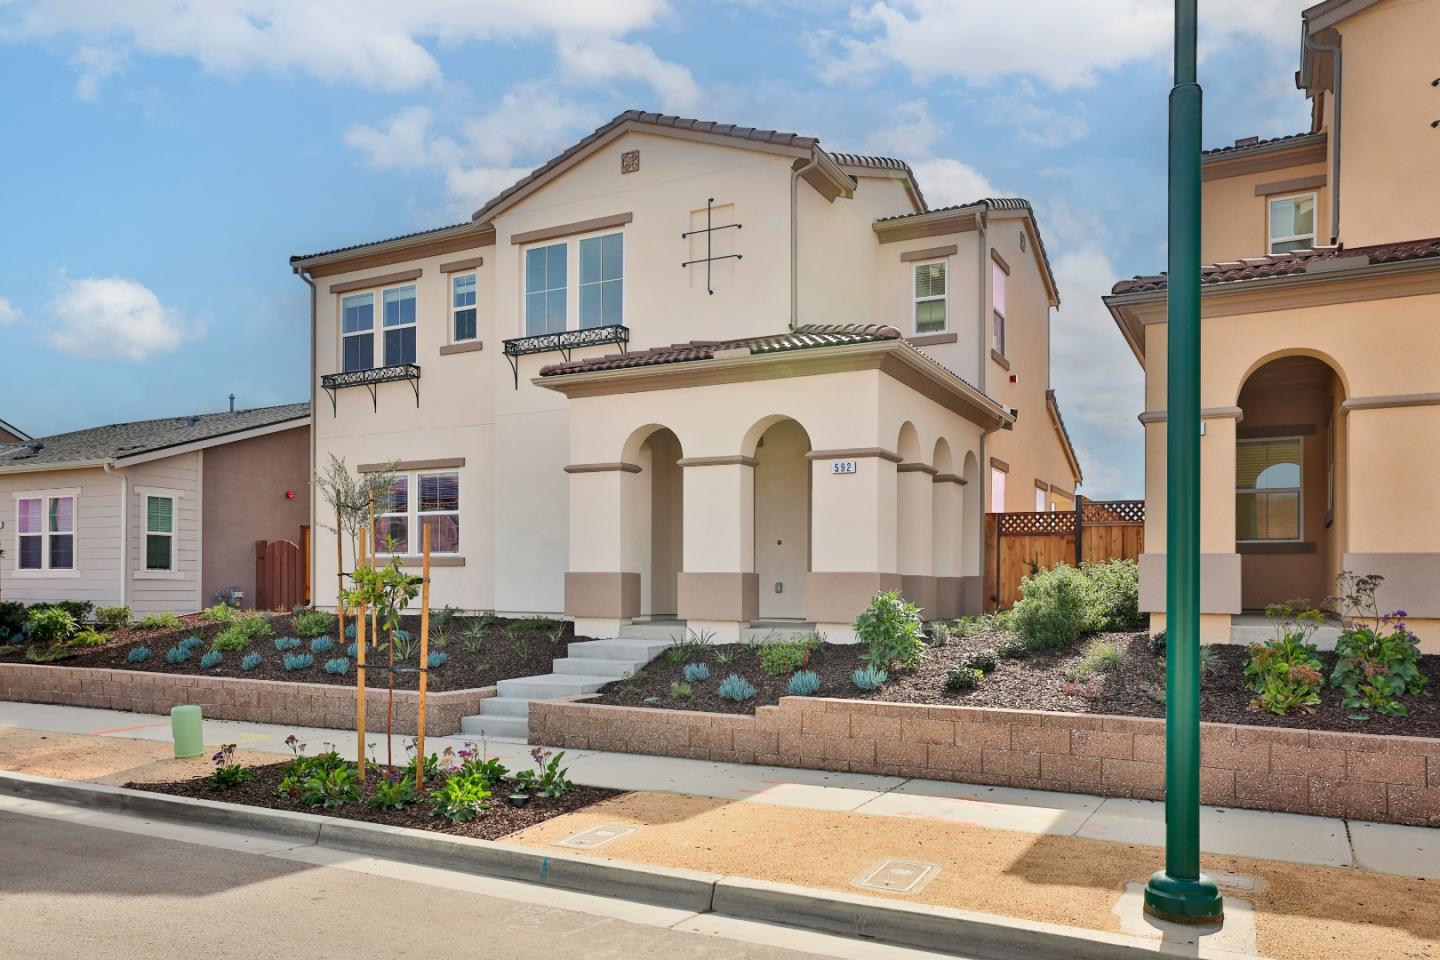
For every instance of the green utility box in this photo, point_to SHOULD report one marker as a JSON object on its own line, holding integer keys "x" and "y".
{"x": 187, "y": 729}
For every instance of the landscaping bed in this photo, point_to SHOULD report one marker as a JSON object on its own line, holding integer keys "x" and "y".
{"x": 499, "y": 820}
{"x": 478, "y": 651}
{"x": 1134, "y": 686}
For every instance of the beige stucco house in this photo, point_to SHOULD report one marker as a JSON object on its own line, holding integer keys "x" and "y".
{"x": 1321, "y": 355}
{"x": 156, "y": 515}
{"x": 694, "y": 371}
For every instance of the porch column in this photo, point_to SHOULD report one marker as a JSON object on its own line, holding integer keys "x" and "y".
{"x": 915, "y": 526}
{"x": 719, "y": 592}
{"x": 853, "y": 543}
{"x": 948, "y": 498}
{"x": 601, "y": 591}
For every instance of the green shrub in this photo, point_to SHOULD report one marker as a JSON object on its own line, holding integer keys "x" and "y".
{"x": 230, "y": 640}
{"x": 298, "y": 661}
{"x": 982, "y": 660}
{"x": 392, "y": 794}
{"x": 892, "y": 631}
{"x": 12, "y": 619}
{"x": 680, "y": 690}
{"x": 962, "y": 678}
{"x": 461, "y": 798}
{"x": 869, "y": 677}
{"x": 338, "y": 666}
{"x": 1156, "y": 643}
{"x": 1379, "y": 658}
{"x": 735, "y": 688}
{"x": 803, "y": 683}
{"x": 696, "y": 672}
{"x": 321, "y": 645}
{"x": 251, "y": 661}
{"x": 138, "y": 655}
{"x": 211, "y": 660}
{"x": 1012, "y": 648}
{"x": 1285, "y": 672}
{"x": 330, "y": 788}
{"x": 1112, "y": 601}
{"x": 283, "y": 644}
{"x": 50, "y": 626}
{"x": 313, "y": 623}
{"x": 436, "y": 659}
{"x": 113, "y": 618}
{"x": 940, "y": 632}
{"x": 1051, "y": 614}
{"x": 220, "y": 613}
{"x": 689, "y": 647}
{"x": 89, "y": 638}
{"x": 785, "y": 656}
{"x": 81, "y": 610}
{"x": 159, "y": 621}
{"x": 192, "y": 643}
{"x": 177, "y": 654}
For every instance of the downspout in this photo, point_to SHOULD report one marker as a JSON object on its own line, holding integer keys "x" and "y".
{"x": 795, "y": 174}
{"x": 982, "y": 354}
{"x": 1334, "y": 50}
{"x": 124, "y": 479}
{"x": 314, "y": 540}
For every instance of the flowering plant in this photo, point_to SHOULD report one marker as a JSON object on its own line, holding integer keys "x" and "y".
{"x": 1379, "y": 658}
{"x": 1285, "y": 672}
{"x": 228, "y": 773}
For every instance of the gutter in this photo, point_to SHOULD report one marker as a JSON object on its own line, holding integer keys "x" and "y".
{"x": 795, "y": 174}
{"x": 124, "y": 523}
{"x": 301, "y": 272}
{"x": 1335, "y": 144}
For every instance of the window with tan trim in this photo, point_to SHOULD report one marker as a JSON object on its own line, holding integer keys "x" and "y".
{"x": 1268, "y": 489}
{"x": 930, "y": 294}
{"x": 414, "y": 502}
{"x": 1292, "y": 223}
{"x": 998, "y": 279}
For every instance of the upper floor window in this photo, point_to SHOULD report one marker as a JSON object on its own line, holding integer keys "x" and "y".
{"x": 546, "y": 283}
{"x": 45, "y": 531}
{"x": 399, "y": 324}
{"x": 357, "y": 331}
{"x": 1292, "y": 223}
{"x": 1267, "y": 489}
{"x": 601, "y": 280}
{"x": 930, "y": 297}
{"x": 998, "y": 278}
{"x": 997, "y": 490}
{"x": 462, "y": 307}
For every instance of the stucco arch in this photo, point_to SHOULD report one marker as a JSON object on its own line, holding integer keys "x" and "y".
{"x": 751, "y": 439}
{"x": 943, "y": 461}
{"x": 630, "y": 451}
{"x": 1320, "y": 355}
{"x": 782, "y": 494}
{"x": 973, "y": 521}
{"x": 908, "y": 443}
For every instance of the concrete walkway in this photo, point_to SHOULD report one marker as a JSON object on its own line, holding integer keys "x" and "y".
{"x": 1287, "y": 838}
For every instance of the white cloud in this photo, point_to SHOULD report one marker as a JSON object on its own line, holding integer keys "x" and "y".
{"x": 378, "y": 44}
{"x": 9, "y": 313}
{"x": 947, "y": 182}
{"x": 95, "y": 65}
{"x": 600, "y": 59}
{"x": 1045, "y": 126}
{"x": 112, "y": 316}
{"x": 1062, "y": 44}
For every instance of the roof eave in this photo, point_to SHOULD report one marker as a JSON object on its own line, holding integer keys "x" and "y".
{"x": 1053, "y": 406}
{"x": 7, "y": 468}
{"x": 219, "y": 439}
{"x": 303, "y": 263}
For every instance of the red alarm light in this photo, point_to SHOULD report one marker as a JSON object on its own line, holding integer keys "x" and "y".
{"x": 289, "y": 494}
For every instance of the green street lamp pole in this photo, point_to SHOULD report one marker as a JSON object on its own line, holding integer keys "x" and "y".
{"x": 1179, "y": 892}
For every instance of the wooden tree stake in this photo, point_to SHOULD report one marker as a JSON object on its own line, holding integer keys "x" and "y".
{"x": 339, "y": 576}
{"x": 360, "y": 666}
{"x": 424, "y": 652}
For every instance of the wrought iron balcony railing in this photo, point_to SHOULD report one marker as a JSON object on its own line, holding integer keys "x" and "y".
{"x": 369, "y": 379}
{"x": 563, "y": 343}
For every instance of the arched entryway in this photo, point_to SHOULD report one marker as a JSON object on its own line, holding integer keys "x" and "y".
{"x": 947, "y": 494}
{"x": 1290, "y": 484}
{"x": 971, "y": 524}
{"x": 782, "y": 519}
{"x": 655, "y": 535}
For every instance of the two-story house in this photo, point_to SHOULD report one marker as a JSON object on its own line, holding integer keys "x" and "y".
{"x": 693, "y": 371}
{"x": 1321, "y": 358}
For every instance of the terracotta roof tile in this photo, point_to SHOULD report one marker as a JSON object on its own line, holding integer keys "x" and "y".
{"x": 1289, "y": 264}
{"x": 801, "y": 338}
{"x": 1255, "y": 143}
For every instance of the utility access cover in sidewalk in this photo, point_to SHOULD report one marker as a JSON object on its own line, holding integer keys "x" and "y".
{"x": 897, "y": 876}
{"x": 596, "y": 836}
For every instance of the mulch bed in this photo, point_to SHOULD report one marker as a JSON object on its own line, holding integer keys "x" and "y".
{"x": 527, "y": 650}
{"x": 1135, "y": 687}
{"x": 499, "y": 821}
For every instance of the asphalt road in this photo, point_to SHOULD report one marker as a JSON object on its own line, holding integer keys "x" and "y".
{"x": 74, "y": 891}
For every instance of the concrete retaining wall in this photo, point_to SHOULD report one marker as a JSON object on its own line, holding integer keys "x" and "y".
{"x": 1362, "y": 776}
{"x": 234, "y": 698}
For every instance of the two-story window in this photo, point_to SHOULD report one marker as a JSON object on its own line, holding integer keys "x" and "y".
{"x": 1292, "y": 223}
{"x": 357, "y": 328}
{"x": 998, "y": 279}
{"x": 462, "y": 307}
{"x": 1268, "y": 489}
{"x": 601, "y": 280}
{"x": 45, "y": 530}
{"x": 416, "y": 501}
{"x": 930, "y": 285}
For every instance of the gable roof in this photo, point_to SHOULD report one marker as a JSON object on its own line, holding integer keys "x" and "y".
{"x": 1319, "y": 260}
{"x": 13, "y": 430}
{"x": 1249, "y": 145}
{"x": 1053, "y": 405}
{"x": 119, "y": 443}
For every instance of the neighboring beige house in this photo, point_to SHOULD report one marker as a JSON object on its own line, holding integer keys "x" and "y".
{"x": 156, "y": 515}
{"x": 694, "y": 371}
{"x": 11, "y": 434}
{"x": 1321, "y": 354}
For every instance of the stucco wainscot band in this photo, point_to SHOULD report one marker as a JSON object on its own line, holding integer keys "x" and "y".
{"x": 234, "y": 698}
{"x": 1361, "y": 776}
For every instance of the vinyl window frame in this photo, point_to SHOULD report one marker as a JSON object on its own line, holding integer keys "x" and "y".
{"x": 414, "y": 516}
{"x": 377, "y": 328}
{"x": 942, "y": 298}
{"x": 573, "y": 276}
{"x": 1298, "y": 490}
{"x": 45, "y": 570}
{"x": 140, "y": 569}
{"x": 473, "y": 307}
{"x": 1271, "y": 239}
{"x": 999, "y": 306}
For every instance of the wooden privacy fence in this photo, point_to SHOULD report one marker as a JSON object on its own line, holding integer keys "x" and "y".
{"x": 1019, "y": 544}
{"x": 282, "y": 572}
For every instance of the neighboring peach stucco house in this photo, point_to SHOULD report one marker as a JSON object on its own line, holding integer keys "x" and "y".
{"x": 694, "y": 371}
{"x": 156, "y": 515}
{"x": 1320, "y": 390}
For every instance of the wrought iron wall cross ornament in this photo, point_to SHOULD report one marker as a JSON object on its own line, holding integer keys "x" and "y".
{"x": 709, "y": 230}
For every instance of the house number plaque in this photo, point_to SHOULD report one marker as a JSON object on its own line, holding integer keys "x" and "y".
{"x": 838, "y": 467}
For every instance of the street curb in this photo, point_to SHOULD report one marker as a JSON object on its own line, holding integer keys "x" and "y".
{"x": 981, "y": 936}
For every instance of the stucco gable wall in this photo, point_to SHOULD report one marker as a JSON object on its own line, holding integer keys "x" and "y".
{"x": 1235, "y": 220}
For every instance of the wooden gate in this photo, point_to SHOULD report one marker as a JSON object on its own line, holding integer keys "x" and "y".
{"x": 279, "y": 575}
{"x": 1019, "y": 544}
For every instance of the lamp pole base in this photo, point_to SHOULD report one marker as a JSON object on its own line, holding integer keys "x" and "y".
{"x": 1195, "y": 902}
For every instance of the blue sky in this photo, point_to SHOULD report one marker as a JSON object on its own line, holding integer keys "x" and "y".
{"x": 163, "y": 159}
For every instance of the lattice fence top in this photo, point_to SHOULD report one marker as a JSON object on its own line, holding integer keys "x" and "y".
{"x": 1112, "y": 511}
{"x": 1033, "y": 523}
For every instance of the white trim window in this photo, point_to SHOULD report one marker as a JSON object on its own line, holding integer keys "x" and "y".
{"x": 398, "y": 322}
{"x": 602, "y": 280}
{"x": 159, "y": 533}
{"x": 1268, "y": 489}
{"x": 45, "y": 523}
{"x": 997, "y": 490}
{"x": 463, "y": 320}
{"x": 547, "y": 283}
{"x": 1292, "y": 223}
{"x": 417, "y": 501}
{"x": 998, "y": 284}
{"x": 930, "y": 296}
{"x": 357, "y": 332}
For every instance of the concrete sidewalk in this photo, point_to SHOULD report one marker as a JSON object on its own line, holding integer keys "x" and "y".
{"x": 1286, "y": 838}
